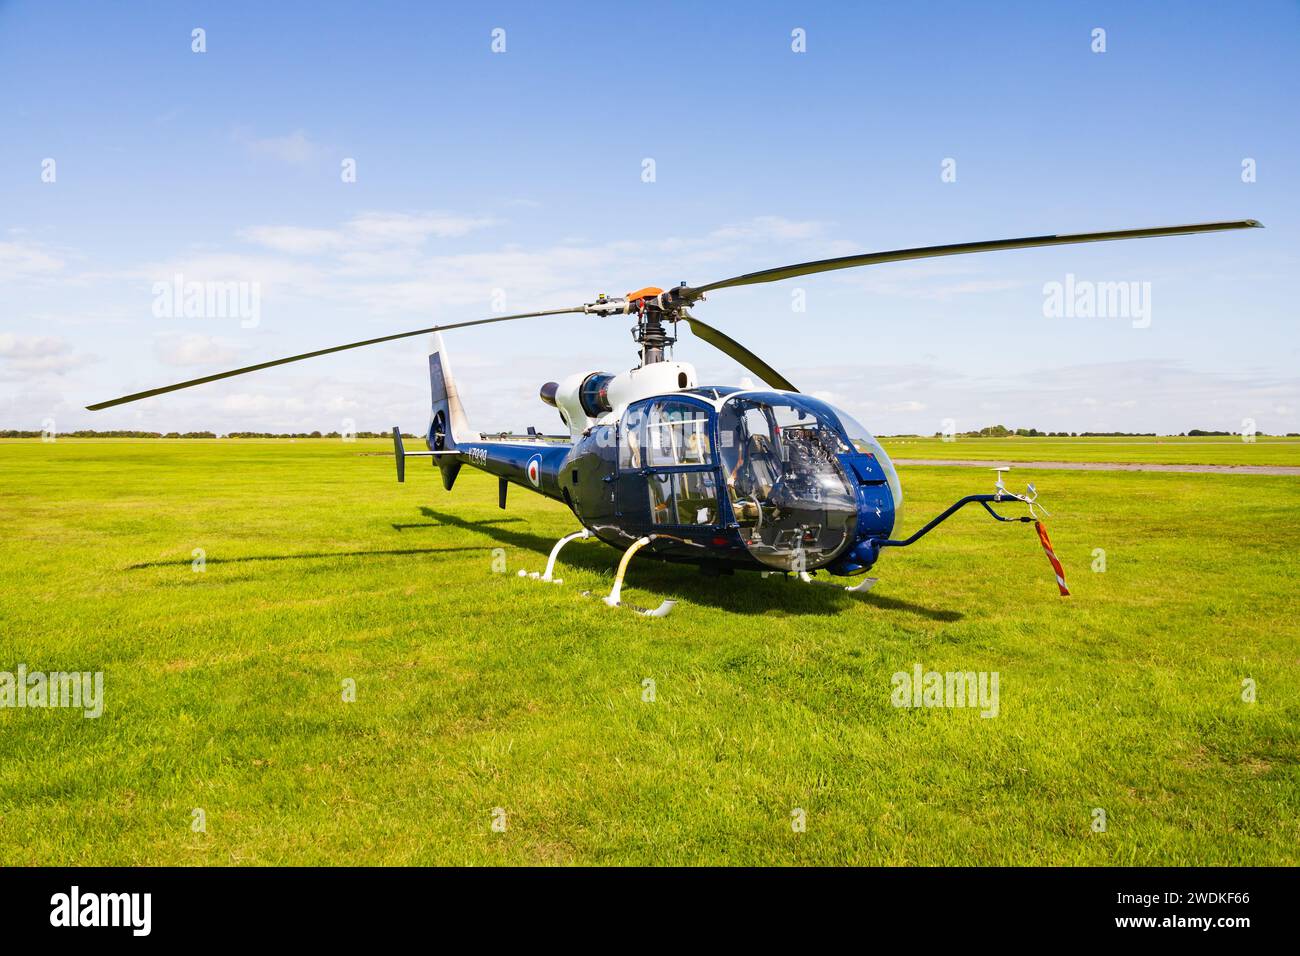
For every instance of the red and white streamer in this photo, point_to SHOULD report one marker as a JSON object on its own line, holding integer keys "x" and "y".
{"x": 1051, "y": 556}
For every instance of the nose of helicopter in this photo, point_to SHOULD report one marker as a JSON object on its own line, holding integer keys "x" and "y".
{"x": 802, "y": 525}
{"x": 809, "y": 486}
{"x": 793, "y": 491}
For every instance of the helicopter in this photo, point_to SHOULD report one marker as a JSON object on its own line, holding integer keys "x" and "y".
{"x": 722, "y": 477}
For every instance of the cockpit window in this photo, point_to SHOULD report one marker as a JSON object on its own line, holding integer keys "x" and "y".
{"x": 631, "y": 439}
{"x": 669, "y": 442}
{"x": 677, "y": 433}
{"x": 805, "y": 433}
{"x": 683, "y": 498}
{"x": 788, "y": 490}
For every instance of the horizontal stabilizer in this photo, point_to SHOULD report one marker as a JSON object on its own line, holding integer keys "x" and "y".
{"x": 401, "y": 454}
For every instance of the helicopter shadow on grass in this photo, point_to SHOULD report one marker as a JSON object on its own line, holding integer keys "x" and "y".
{"x": 435, "y": 524}
{"x": 741, "y": 593}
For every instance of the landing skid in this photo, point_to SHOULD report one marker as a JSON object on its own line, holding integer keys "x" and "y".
{"x": 614, "y": 597}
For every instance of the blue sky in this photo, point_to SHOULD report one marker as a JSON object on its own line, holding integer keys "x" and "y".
{"x": 486, "y": 177}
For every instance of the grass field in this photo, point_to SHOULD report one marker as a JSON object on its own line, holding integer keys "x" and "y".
{"x": 1137, "y": 450}
{"x": 477, "y": 690}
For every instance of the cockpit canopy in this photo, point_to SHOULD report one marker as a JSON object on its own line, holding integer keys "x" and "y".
{"x": 789, "y": 492}
{"x": 783, "y": 462}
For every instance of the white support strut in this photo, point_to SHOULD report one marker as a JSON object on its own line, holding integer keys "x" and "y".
{"x": 614, "y": 599}
{"x": 555, "y": 553}
{"x": 582, "y": 535}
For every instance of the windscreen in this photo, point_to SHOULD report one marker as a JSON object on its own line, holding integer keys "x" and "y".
{"x": 788, "y": 490}
{"x": 865, "y": 443}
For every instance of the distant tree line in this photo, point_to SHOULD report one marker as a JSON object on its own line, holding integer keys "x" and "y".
{"x": 992, "y": 431}
{"x": 315, "y": 435}
{"x": 1001, "y": 431}
{"x": 84, "y": 433}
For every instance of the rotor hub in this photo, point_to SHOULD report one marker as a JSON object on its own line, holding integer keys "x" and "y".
{"x": 653, "y": 307}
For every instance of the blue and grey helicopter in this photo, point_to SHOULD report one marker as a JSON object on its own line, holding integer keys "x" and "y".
{"x": 722, "y": 477}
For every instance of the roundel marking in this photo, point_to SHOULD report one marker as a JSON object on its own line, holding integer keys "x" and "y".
{"x": 534, "y": 470}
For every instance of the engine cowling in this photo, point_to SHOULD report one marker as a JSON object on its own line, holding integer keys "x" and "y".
{"x": 587, "y": 397}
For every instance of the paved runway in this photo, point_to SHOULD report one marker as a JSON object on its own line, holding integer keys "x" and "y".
{"x": 1107, "y": 466}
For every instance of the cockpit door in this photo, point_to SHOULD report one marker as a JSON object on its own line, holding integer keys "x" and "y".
{"x": 668, "y": 465}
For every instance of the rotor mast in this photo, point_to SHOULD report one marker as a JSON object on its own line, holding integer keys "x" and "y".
{"x": 651, "y": 335}
{"x": 653, "y": 308}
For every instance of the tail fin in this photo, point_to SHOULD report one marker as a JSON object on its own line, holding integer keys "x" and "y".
{"x": 399, "y": 454}
{"x": 447, "y": 423}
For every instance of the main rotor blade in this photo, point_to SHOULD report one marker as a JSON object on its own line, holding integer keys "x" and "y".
{"x": 306, "y": 355}
{"x": 690, "y": 294}
{"x": 746, "y": 358}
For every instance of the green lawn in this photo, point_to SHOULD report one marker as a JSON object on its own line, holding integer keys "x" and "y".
{"x": 1177, "y": 451}
{"x": 478, "y": 690}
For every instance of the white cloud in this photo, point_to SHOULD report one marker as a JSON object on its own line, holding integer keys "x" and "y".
{"x": 268, "y": 272}
{"x": 369, "y": 232}
{"x": 44, "y": 365}
{"x": 33, "y": 356}
{"x": 402, "y": 228}
{"x": 295, "y": 240}
{"x": 21, "y": 260}
{"x": 31, "y": 346}
{"x": 186, "y": 349}
{"x": 1159, "y": 396}
{"x": 769, "y": 227}
{"x": 246, "y": 402}
{"x": 296, "y": 148}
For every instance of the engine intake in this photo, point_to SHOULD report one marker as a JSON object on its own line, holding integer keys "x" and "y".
{"x": 594, "y": 394}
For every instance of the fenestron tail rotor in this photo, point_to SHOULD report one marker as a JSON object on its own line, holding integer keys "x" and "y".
{"x": 653, "y": 307}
